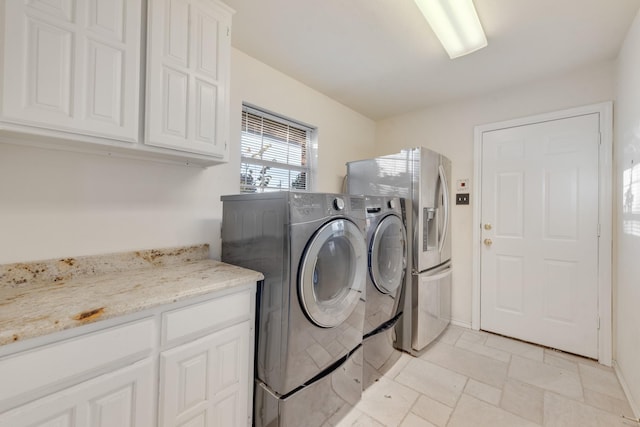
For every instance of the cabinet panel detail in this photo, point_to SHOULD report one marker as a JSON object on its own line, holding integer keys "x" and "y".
{"x": 227, "y": 367}
{"x": 107, "y": 17}
{"x": 105, "y": 67}
{"x": 226, "y": 411}
{"x": 176, "y": 86}
{"x": 58, "y": 420}
{"x": 206, "y": 100}
{"x": 193, "y": 381}
{"x": 207, "y": 44}
{"x": 199, "y": 420}
{"x": 177, "y": 35}
{"x": 50, "y": 67}
{"x": 115, "y": 409}
{"x": 61, "y": 9}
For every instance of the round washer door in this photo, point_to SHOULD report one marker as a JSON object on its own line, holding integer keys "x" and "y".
{"x": 388, "y": 254}
{"x": 333, "y": 274}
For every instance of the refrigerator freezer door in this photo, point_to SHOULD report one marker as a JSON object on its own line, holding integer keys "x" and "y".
{"x": 431, "y": 208}
{"x": 431, "y": 305}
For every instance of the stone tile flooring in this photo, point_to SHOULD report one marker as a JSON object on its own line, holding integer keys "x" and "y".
{"x": 477, "y": 379}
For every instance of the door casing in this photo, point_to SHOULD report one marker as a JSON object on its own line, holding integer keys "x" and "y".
{"x": 605, "y": 207}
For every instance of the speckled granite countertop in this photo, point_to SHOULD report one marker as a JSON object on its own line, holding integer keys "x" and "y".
{"x": 42, "y": 297}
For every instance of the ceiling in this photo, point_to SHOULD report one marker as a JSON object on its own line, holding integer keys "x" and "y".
{"x": 380, "y": 57}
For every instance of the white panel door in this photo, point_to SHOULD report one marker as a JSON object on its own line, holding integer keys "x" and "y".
{"x": 539, "y": 258}
{"x": 73, "y": 66}
{"x": 205, "y": 383}
{"x": 187, "y": 69}
{"x": 123, "y": 398}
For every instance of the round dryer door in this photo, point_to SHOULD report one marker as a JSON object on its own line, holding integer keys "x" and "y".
{"x": 388, "y": 254}
{"x": 333, "y": 274}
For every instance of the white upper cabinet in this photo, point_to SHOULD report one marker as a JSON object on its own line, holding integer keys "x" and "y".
{"x": 187, "y": 95}
{"x": 73, "y": 71}
{"x": 73, "y": 66}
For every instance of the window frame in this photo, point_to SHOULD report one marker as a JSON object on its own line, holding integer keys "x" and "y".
{"x": 310, "y": 156}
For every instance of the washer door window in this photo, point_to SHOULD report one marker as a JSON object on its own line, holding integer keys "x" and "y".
{"x": 333, "y": 273}
{"x": 388, "y": 254}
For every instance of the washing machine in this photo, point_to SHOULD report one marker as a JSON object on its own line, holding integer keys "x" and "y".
{"x": 311, "y": 248}
{"x": 387, "y": 262}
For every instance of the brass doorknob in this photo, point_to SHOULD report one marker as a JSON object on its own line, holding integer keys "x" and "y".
{"x": 488, "y": 242}
{"x": 487, "y": 226}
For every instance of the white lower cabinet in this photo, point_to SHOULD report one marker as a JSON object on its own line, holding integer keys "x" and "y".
{"x": 123, "y": 398}
{"x": 204, "y": 382}
{"x": 187, "y": 364}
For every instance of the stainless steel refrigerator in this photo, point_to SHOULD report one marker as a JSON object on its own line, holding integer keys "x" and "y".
{"x": 422, "y": 177}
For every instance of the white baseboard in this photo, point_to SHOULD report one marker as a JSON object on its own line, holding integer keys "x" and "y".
{"x": 460, "y": 323}
{"x": 627, "y": 391}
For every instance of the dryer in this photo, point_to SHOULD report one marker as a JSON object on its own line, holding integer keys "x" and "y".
{"x": 387, "y": 262}
{"x": 312, "y": 251}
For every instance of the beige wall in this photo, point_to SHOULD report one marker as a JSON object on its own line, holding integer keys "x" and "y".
{"x": 343, "y": 134}
{"x": 58, "y": 204}
{"x": 627, "y": 244}
{"x": 449, "y": 130}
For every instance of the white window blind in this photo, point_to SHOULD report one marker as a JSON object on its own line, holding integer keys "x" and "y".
{"x": 274, "y": 153}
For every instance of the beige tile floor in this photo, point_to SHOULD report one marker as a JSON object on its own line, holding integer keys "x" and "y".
{"x": 476, "y": 379}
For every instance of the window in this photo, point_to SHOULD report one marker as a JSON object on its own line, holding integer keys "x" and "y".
{"x": 275, "y": 153}
{"x": 631, "y": 201}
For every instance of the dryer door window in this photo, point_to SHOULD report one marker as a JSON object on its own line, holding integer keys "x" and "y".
{"x": 332, "y": 278}
{"x": 388, "y": 254}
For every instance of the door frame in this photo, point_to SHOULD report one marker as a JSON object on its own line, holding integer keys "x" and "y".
{"x": 605, "y": 208}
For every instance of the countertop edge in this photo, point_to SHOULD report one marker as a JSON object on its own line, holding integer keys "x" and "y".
{"x": 51, "y": 307}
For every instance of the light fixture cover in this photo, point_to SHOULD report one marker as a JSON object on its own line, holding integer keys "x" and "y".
{"x": 456, "y": 24}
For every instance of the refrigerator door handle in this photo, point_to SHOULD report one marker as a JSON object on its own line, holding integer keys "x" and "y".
{"x": 445, "y": 192}
{"x": 444, "y": 273}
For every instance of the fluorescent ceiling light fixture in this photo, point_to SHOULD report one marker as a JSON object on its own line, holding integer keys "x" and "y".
{"x": 456, "y": 24}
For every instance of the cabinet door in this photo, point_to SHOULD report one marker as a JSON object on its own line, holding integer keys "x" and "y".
{"x": 123, "y": 398}
{"x": 73, "y": 66}
{"x": 206, "y": 382}
{"x": 188, "y": 56}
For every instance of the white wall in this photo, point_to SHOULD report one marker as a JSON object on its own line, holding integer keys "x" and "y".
{"x": 59, "y": 204}
{"x": 449, "y": 130}
{"x": 627, "y": 244}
